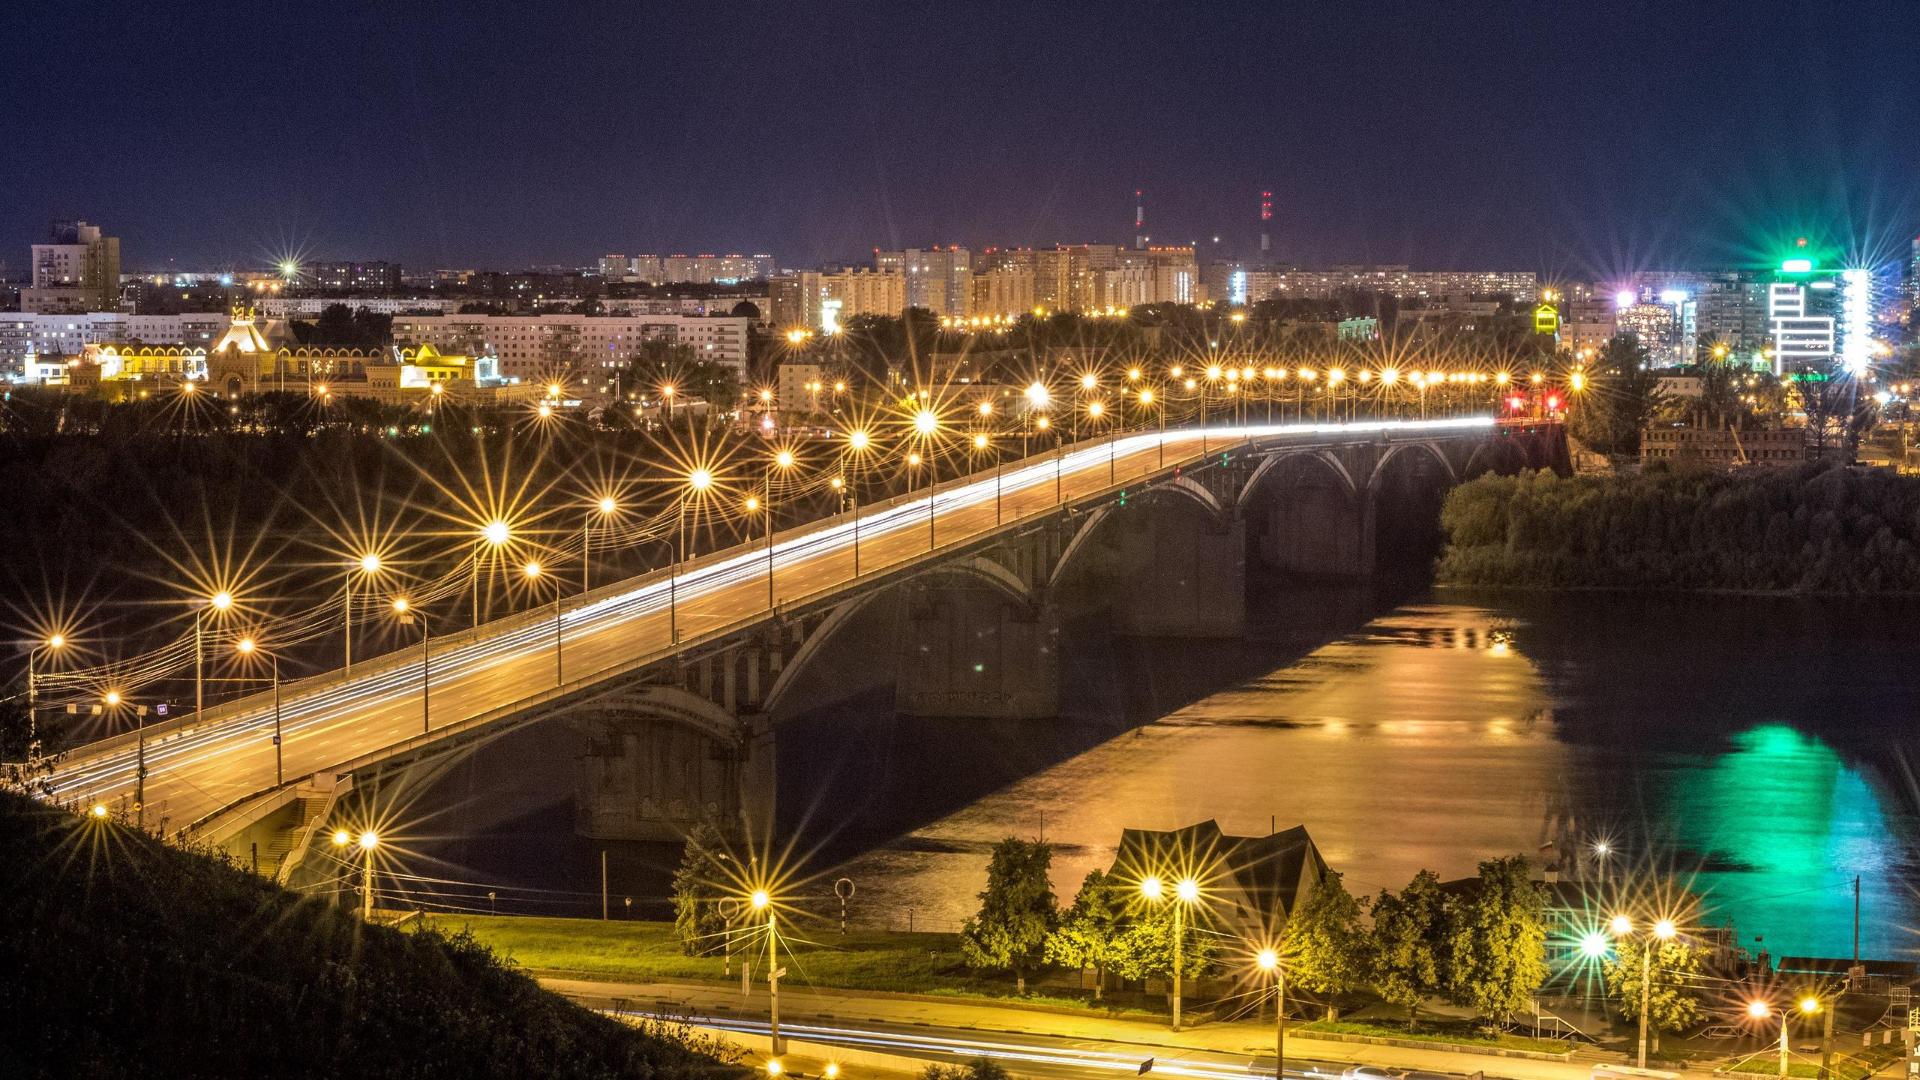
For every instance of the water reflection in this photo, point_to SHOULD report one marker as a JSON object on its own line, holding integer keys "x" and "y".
{"x": 1443, "y": 734}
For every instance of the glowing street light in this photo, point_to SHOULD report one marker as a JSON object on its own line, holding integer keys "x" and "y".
{"x": 405, "y": 612}
{"x": 699, "y": 482}
{"x": 606, "y": 506}
{"x": 1268, "y": 960}
{"x": 368, "y": 566}
{"x": 219, "y": 603}
{"x": 1661, "y": 931}
{"x": 1185, "y": 892}
{"x": 246, "y": 646}
{"x": 760, "y": 900}
{"x": 368, "y": 841}
{"x": 53, "y": 644}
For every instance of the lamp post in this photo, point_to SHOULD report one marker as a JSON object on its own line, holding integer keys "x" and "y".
{"x": 783, "y": 460}
{"x": 368, "y": 841}
{"x": 926, "y": 425}
{"x": 367, "y": 565}
{"x": 534, "y": 570}
{"x": 698, "y": 482}
{"x": 247, "y": 647}
{"x": 760, "y": 901}
{"x": 606, "y": 507}
{"x": 406, "y": 613}
{"x": 1185, "y": 892}
{"x": 54, "y": 643}
{"x": 493, "y": 534}
{"x": 220, "y": 601}
{"x": 1269, "y": 960}
{"x": 857, "y": 443}
{"x": 1661, "y": 931}
{"x": 1038, "y": 398}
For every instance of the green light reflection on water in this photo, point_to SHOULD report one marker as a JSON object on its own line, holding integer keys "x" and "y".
{"x": 1784, "y": 824}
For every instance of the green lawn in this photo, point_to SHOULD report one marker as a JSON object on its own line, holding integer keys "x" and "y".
{"x": 1846, "y": 1066}
{"x": 1451, "y": 1034}
{"x": 908, "y": 963}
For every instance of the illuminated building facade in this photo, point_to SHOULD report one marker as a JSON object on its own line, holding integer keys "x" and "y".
{"x": 535, "y": 347}
{"x": 937, "y": 279}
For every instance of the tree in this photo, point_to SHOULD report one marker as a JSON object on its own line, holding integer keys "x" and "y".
{"x": 1621, "y": 397}
{"x": 1090, "y": 934}
{"x": 1017, "y": 911}
{"x": 1408, "y": 943}
{"x": 697, "y": 891}
{"x": 1325, "y": 945}
{"x": 1145, "y": 951}
{"x": 1498, "y": 941}
{"x": 1673, "y": 1004}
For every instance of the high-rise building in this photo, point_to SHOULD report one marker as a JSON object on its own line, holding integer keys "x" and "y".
{"x": 78, "y": 270}
{"x": 351, "y": 276}
{"x": 1732, "y": 310}
{"x": 823, "y": 302}
{"x": 938, "y": 279}
{"x": 1006, "y": 291}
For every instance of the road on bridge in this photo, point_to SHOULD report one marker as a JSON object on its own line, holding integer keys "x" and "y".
{"x": 200, "y": 765}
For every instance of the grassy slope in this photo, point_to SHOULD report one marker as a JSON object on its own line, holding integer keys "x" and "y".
{"x": 124, "y": 958}
{"x": 651, "y": 950}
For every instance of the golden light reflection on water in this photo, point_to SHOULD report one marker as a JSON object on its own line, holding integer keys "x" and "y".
{"x": 1421, "y": 742}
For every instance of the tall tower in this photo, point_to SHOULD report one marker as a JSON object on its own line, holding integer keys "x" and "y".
{"x": 1139, "y": 219}
{"x": 1266, "y": 219}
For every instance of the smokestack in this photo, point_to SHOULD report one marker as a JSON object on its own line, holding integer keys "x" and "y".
{"x": 1266, "y": 218}
{"x": 1139, "y": 219}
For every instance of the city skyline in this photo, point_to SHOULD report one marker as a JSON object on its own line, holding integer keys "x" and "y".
{"x": 780, "y": 133}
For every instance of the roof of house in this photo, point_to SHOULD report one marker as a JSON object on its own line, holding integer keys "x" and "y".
{"x": 1265, "y": 873}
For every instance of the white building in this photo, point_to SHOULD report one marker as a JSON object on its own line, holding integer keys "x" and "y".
{"x": 24, "y": 334}
{"x": 537, "y": 346}
{"x": 310, "y": 307}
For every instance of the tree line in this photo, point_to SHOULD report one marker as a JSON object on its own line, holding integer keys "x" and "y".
{"x": 1820, "y": 527}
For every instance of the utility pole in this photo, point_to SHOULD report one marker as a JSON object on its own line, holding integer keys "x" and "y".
{"x": 603, "y": 884}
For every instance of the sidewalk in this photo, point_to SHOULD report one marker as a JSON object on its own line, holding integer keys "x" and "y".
{"x": 1240, "y": 1039}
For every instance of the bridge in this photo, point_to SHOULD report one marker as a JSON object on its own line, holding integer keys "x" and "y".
{"x": 677, "y": 681}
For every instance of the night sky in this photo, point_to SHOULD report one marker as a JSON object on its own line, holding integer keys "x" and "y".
{"x": 1579, "y": 139}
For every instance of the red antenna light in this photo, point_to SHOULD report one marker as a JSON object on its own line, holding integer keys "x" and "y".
{"x": 1266, "y": 206}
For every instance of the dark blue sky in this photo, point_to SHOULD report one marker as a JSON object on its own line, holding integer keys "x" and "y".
{"x": 1573, "y": 138}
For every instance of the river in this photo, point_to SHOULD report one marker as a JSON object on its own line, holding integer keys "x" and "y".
{"x": 1759, "y": 750}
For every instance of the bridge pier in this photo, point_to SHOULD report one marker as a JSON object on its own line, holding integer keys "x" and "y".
{"x": 1173, "y": 573}
{"x": 652, "y": 779}
{"x": 971, "y": 652}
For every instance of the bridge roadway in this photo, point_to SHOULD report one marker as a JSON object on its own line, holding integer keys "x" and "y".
{"x": 197, "y": 766}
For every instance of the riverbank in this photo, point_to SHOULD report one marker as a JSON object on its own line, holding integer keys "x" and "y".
{"x": 1815, "y": 529}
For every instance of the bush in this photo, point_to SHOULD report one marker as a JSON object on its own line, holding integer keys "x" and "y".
{"x": 1818, "y": 528}
{"x": 979, "y": 1068}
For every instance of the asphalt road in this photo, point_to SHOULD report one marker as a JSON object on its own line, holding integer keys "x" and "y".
{"x": 200, "y": 766}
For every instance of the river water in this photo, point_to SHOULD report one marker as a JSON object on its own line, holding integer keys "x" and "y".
{"x": 1760, "y": 750}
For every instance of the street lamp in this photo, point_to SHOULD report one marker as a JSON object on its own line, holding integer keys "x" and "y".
{"x": 533, "y": 570}
{"x": 405, "y": 612}
{"x": 1185, "y": 892}
{"x": 857, "y": 443}
{"x": 368, "y": 565}
{"x": 1268, "y": 960}
{"x": 759, "y": 900}
{"x": 926, "y": 425}
{"x": 219, "y": 602}
{"x": 494, "y": 534}
{"x": 1662, "y": 931}
{"x": 699, "y": 481}
{"x": 368, "y": 841}
{"x": 247, "y": 647}
{"x": 54, "y": 643}
{"x": 783, "y": 460}
{"x": 606, "y": 507}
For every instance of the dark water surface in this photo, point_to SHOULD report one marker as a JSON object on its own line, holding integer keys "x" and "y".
{"x": 1760, "y": 748}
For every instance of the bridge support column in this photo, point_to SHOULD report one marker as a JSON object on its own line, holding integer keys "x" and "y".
{"x": 1178, "y": 576}
{"x": 971, "y": 653}
{"x": 759, "y": 778}
{"x": 647, "y": 778}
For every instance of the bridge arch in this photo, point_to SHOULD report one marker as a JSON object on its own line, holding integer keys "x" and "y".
{"x": 1181, "y": 492}
{"x": 972, "y": 570}
{"x": 1307, "y": 519}
{"x": 1397, "y": 450}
